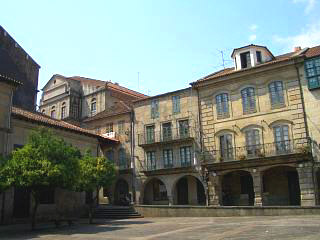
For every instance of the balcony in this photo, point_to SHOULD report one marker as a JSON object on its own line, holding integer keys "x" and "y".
{"x": 160, "y": 165}
{"x": 174, "y": 135}
{"x": 297, "y": 146}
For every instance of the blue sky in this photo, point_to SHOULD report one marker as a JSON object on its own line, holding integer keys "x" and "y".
{"x": 171, "y": 43}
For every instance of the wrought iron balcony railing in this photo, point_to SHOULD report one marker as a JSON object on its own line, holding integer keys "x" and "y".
{"x": 288, "y": 147}
{"x": 174, "y": 134}
{"x": 159, "y": 164}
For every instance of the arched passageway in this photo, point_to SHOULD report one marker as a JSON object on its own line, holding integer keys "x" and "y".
{"x": 155, "y": 192}
{"x": 189, "y": 191}
{"x": 237, "y": 189}
{"x": 281, "y": 187}
{"x": 121, "y": 193}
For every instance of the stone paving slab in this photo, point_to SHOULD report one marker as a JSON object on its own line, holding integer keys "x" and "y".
{"x": 230, "y": 228}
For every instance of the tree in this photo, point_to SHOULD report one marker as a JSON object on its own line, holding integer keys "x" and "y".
{"x": 4, "y": 185}
{"x": 45, "y": 161}
{"x": 95, "y": 173}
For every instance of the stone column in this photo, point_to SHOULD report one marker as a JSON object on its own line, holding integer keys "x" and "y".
{"x": 170, "y": 198}
{"x": 214, "y": 190}
{"x": 257, "y": 187}
{"x": 307, "y": 188}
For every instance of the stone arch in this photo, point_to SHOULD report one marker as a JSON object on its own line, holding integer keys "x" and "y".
{"x": 121, "y": 192}
{"x": 188, "y": 190}
{"x": 155, "y": 191}
{"x": 237, "y": 188}
{"x": 280, "y": 186}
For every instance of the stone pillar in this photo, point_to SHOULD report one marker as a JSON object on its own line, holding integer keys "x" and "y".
{"x": 170, "y": 198}
{"x": 257, "y": 187}
{"x": 214, "y": 190}
{"x": 307, "y": 188}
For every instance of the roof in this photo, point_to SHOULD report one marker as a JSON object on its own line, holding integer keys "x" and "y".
{"x": 48, "y": 121}
{"x": 308, "y": 52}
{"x": 119, "y": 108}
{"x": 9, "y": 80}
{"x": 251, "y": 45}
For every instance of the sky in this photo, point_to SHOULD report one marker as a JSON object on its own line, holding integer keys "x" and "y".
{"x": 170, "y": 43}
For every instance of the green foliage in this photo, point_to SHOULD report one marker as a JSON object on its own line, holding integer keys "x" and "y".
{"x": 4, "y": 184}
{"x": 45, "y": 160}
{"x": 95, "y": 172}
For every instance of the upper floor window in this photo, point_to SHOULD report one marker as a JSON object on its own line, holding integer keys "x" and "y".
{"x": 276, "y": 94}
{"x": 150, "y": 134}
{"x": 155, "y": 108}
{"x": 183, "y": 128}
{"x": 281, "y": 137}
{"x": 248, "y": 100}
{"x": 259, "y": 57}
{"x": 63, "y": 110}
{"x": 151, "y": 160}
{"x": 109, "y": 127}
{"x": 122, "y": 159}
{"x": 53, "y": 112}
{"x": 245, "y": 60}
{"x": 185, "y": 156}
{"x": 93, "y": 106}
{"x": 166, "y": 131}
{"x": 168, "y": 157}
{"x": 121, "y": 127}
{"x": 176, "y": 104}
{"x": 222, "y": 102}
{"x": 226, "y": 147}
{"x": 312, "y": 68}
{"x": 252, "y": 142}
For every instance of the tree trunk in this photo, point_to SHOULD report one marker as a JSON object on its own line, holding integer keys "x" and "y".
{"x": 35, "y": 200}
{"x": 91, "y": 212}
{"x": 3, "y": 206}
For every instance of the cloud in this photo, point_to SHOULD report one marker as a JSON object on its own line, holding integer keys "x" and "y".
{"x": 309, "y": 36}
{"x": 309, "y": 4}
{"x": 252, "y": 37}
{"x": 253, "y": 27}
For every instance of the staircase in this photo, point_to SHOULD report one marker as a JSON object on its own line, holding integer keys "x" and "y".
{"x": 115, "y": 212}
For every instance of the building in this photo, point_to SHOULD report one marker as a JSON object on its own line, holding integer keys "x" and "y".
{"x": 103, "y": 107}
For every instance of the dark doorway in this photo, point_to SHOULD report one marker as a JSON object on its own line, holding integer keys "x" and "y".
{"x": 294, "y": 189}
{"x": 237, "y": 189}
{"x": 201, "y": 193}
{"x": 182, "y": 190}
{"x": 121, "y": 194}
{"x": 318, "y": 188}
{"x": 21, "y": 203}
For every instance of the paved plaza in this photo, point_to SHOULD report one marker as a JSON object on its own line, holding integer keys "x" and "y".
{"x": 245, "y": 228}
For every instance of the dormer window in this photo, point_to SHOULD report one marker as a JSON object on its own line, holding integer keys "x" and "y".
{"x": 245, "y": 60}
{"x": 259, "y": 58}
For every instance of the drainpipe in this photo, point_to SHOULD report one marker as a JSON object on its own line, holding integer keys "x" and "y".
{"x": 132, "y": 145}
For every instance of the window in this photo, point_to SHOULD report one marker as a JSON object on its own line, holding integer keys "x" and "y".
{"x": 159, "y": 191}
{"x": 222, "y": 102}
{"x": 168, "y": 158}
{"x": 151, "y": 160}
{"x": 53, "y": 112}
{"x": 245, "y": 60}
{"x": 93, "y": 106}
{"x": 175, "y": 104}
{"x": 46, "y": 195}
{"x": 259, "y": 57}
{"x": 276, "y": 94}
{"x": 252, "y": 142}
{"x": 166, "y": 132}
{"x": 110, "y": 156}
{"x": 122, "y": 159}
{"x": 184, "y": 128}
{"x": 155, "y": 108}
{"x": 312, "y": 69}
{"x": 248, "y": 100}
{"x": 121, "y": 127}
{"x": 63, "y": 110}
{"x": 185, "y": 156}
{"x": 226, "y": 148}
{"x": 150, "y": 134}
{"x": 281, "y": 136}
{"x": 109, "y": 127}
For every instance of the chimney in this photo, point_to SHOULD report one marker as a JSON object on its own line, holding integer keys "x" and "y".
{"x": 296, "y": 49}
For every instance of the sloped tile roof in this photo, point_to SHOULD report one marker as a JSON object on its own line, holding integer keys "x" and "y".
{"x": 48, "y": 121}
{"x": 313, "y": 52}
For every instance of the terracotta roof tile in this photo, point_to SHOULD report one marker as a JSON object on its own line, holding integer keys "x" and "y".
{"x": 312, "y": 52}
{"x": 46, "y": 120}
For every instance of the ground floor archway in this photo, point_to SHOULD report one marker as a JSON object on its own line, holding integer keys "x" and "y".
{"x": 318, "y": 186}
{"x": 155, "y": 192}
{"x": 189, "y": 190}
{"x": 281, "y": 186}
{"x": 237, "y": 189}
{"x": 121, "y": 193}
